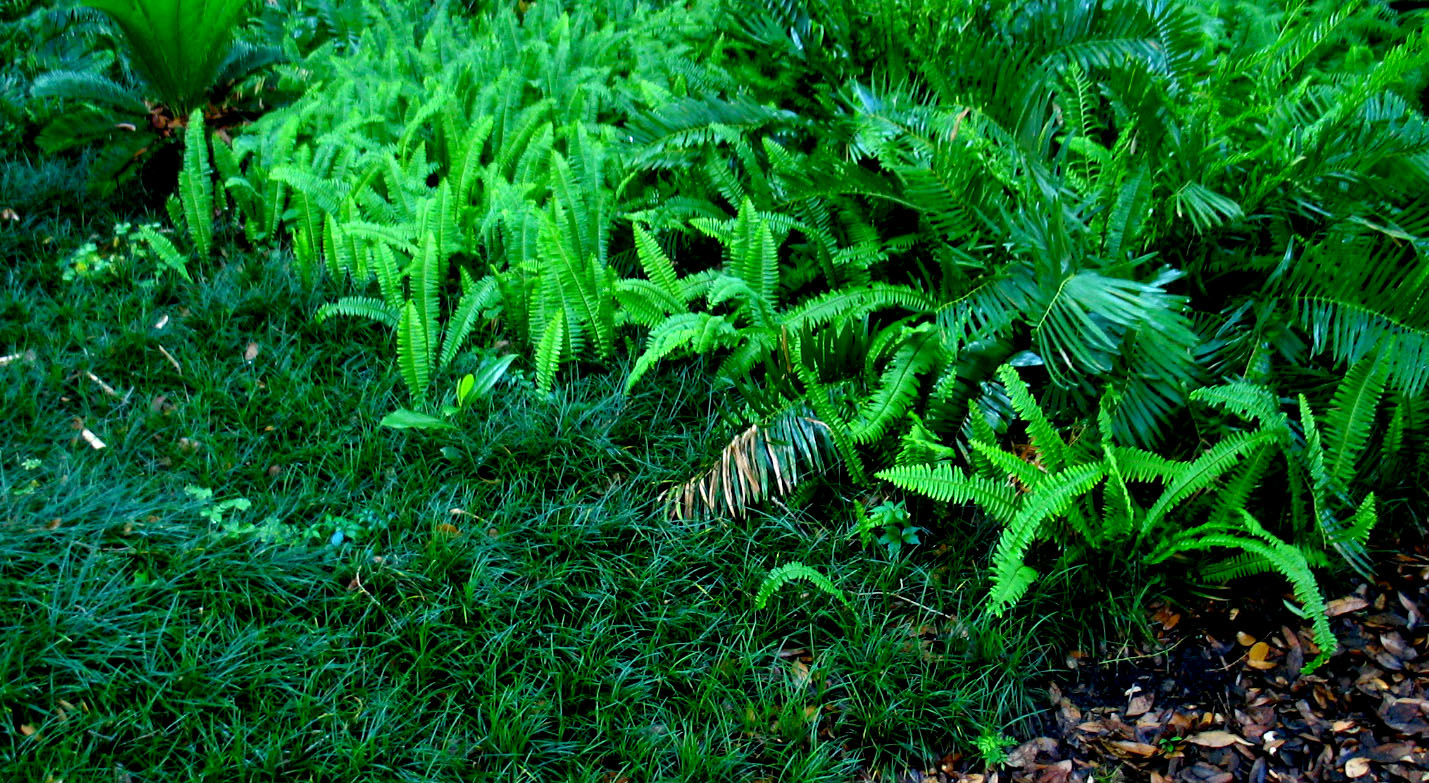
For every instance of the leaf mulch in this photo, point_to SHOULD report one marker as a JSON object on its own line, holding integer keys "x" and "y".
{"x": 1219, "y": 696}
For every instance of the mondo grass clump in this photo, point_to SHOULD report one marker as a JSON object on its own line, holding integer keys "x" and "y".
{"x": 508, "y": 598}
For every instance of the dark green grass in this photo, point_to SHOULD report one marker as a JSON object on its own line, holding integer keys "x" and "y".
{"x": 564, "y": 631}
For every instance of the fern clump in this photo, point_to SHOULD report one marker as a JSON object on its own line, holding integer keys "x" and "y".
{"x": 1055, "y": 497}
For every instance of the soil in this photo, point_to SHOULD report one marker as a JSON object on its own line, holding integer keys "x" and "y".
{"x": 1219, "y": 695}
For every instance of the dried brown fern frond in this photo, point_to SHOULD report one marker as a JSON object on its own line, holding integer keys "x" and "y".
{"x": 760, "y": 463}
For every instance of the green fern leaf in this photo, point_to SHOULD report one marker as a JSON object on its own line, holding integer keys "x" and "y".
{"x": 548, "y": 352}
{"x": 414, "y": 350}
{"x": 1351, "y": 417}
{"x": 699, "y": 332}
{"x": 465, "y": 318}
{"x": 656, "y": 264}
{"x": 1044, "y": 436}
{"x": 361, "y": 307}
{"x": 1202, "y": 472}
{"x": 1010, "y": 575}
{"x": 945, "y": 483}
{"x": 788, "y": 572}
{"x": 196, "y": 185}
{"x": 897, "y": 388}
{"x": 169, "y": 257}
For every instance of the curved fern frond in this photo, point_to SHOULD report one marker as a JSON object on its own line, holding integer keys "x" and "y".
{"x": 658, "y": 267}
{"x": 699, "y": 332}
{"x": 549, "y": 351}
{"x": 945, "y": 483}
{"x": 1202, "y": 472}
{"x": 1044, "y": 435}
{"x": 1351, "y": 417}
{"x": 360, "y": 307}
{"x": 788, "y": 572}
{"x": 465, "y": 318}
{"x": 1053, "y": 498}
{"x": 897, "y": 389}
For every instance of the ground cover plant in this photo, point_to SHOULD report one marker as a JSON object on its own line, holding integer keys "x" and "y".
{"x": 702, "y": 390}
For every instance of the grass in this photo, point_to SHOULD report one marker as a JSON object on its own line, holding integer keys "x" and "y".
{"x": 556, "y": 627}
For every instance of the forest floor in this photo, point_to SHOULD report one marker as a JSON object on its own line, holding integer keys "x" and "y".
{"x": 1209, "y": 700}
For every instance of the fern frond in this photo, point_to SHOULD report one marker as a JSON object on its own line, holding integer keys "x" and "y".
{"x": 169, "y": 256}
{"x": 1044, "y": 435}
{"x": 700, "y": 332}
{"x": 945, "y": 483}
{"x": 465, "y": 318}
{"x": 414, "y": 349}
{"x": 897, "y": 388}
{"x": 658, "y": 267}
{"x": 788, "y": 572}
{"x": 1247, "y": 400}
{"x": 549, "y": 351}
{"x": 1200, "y": 473}
{"x": 368, "y": 307}
{"x": 1351, "y": 417}
{"x": 1053, "y": 498}
{"x": 196, "y": 185}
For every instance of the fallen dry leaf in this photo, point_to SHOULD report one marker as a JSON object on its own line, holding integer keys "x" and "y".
{"x": 1216, "y": 739}
{"x": 1256, "y": 656}
{"x": 1131, "y": 748}
{"x": 27, "y": 729}
{"x": 1350, "y": 603}
{"x": 251, "y": 352}
{"x": 1356, "y": 767}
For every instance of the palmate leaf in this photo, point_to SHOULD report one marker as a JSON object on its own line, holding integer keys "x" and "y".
{"x": 176, "y": 46}
{"x": 91, "y": 88}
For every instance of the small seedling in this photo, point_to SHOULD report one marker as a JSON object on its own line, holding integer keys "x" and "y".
{"x": 472, "y": 386}
{"x": 890, "y": 520}
{"x": 991, "y": 746}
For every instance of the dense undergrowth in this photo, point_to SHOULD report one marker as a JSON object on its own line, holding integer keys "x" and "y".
{"x": 922, "y": 310}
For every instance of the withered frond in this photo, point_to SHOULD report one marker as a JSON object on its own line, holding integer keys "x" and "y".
{"x": 760, "y": 463}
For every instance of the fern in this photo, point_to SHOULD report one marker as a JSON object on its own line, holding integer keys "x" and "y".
{"x": 169, "y": 256}
{"x": 1052, "y": 498}
{"x": 1347, "y": 427}
{"x": 778, "y": 577}
{"x": 897, "y": 389}
{"x": 196, "y": 185}
{"x": 548, "y": 352}
{"x": 414, "y": 349}
{"x": 362, "y": 307}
